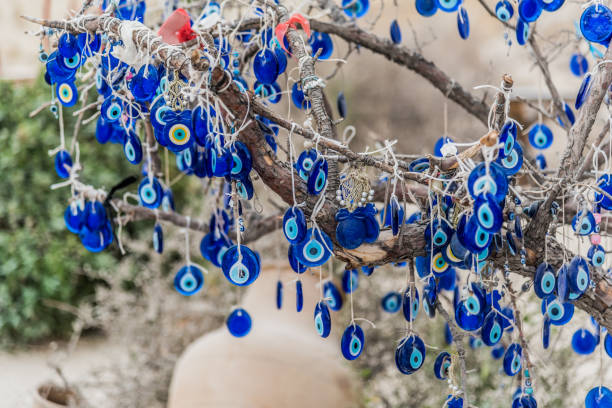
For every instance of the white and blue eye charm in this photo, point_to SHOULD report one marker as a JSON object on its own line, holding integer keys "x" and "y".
{"x": 513, "y": 162}
{"x": 294, "y": 225}
{"x": 442, "y": 365}
{"x": 584, "y": 223}
{"x": 315, "y": 249}
{"x": 492, "y": 330}
{"x": 177, "y": 130}
{"x": 540, "y": 136}
{"x": 322, "y": 319}
{"x": 512, "y": 362}
{"x": 350, "y": 280}
{"x": 578, "y": 276}
{"x": 596, "y": 255}
{"x": 242, "y": 161}
{"x": 504, "y": 10}
{"x": 67, "y": 93}
{"x": 488, "y": 213}
{"x": 410, "y": 303}
{"x": 132, "y": 148}
{"x": 545, "y": 280}
{"x": 239, "y": 323}
{"x": 558, "y": 312}
{"x": 189, "y": 280}
{"x": 391, "y": 302}
{"x": 241, "y": 267}
{"x": 150, "y": 192}
{"x": 158, "y": 239}
{"x": 305, "y": 162}
{"x": 333, "y": 297}
{"x": 410, "y": 354}
{"x": 111, "y": 109}
{"x": 317, "y": 179}
{"x": 352, "y": 342}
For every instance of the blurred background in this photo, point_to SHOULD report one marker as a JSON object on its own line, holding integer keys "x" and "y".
{"x": 112, "y": 327}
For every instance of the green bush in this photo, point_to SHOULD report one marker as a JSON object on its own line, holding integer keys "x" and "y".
{"x": 39, "y": 258}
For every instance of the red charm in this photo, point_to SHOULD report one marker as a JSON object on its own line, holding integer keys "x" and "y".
{"x": 294, "y": 20}
{"x": 177, "y": 28}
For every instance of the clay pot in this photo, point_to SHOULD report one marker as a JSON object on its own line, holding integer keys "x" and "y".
{"x": 282, "y": 362}
{"x": 49, "y": 395}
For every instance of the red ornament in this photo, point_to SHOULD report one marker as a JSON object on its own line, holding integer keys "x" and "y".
{"x": 282, "y": 28}
{"x": 177, "y": 28}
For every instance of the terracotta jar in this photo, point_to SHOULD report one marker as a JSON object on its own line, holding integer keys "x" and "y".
{"x": 282, "y": 362}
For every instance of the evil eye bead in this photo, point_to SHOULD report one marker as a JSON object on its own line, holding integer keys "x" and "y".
{"x": 150, "y": 192}
{"x": 74, "y": 217}
{"x": 466, "y": 320}
{"x": 498, "y": 351}
{"x": 188, "y": 280}
{"x": 315, "y": 249}
{"x": 540, "y": 136}
{"x": 559, "y": 313}
{"x": 63, "y": 164}
{"x": 529, "y": 10}
{"x": 583, "y": 342}
{"x": 167, "y": 203}
{"x": 350, "y": 280}
{"x": 608, "y": 344}
{"x": 72, "y": 62}
{"x": 322, "y": 319}
{"x": 570, "y": 116}
{"x": 494, "y": 181}
{"x": 546, "y": 332}
{"x": 448, "y": 6}
{"x": 583, "y": 91}
{"x": 305, "y": 162}
{"x": 317, "y": 179}
{"x": 598, "y": 397}
{"x": 522, "y": 31}
{"x": 463, "y": 23}
{"x": 395, "y": 33}
{"x": 298, "y": 97}
{"x": 551, "y": 5}
{"x": 474, "y": 237}
{"x": 491, "y": 329}
{"x": 596, "y": 23}
{"x": 513, "y": 162}
{"x": 299, "y": 296}
{"x": 179, "y": 135}
{"x": 242, "y": 161}
{"x": 419, "y": 165}
{"x": 507, "y": 137}
{"x": 332, "y": 295}
{"x": 475, "y": 342}
{"x": 239, "y": 323}
{"x": 488, "y": 213}
{"x": 545, "y": 280}
{"x": 352, "y": 342}
{"x": 410, "y": 354}
{"x": 355, "y": 8}
{"x": 294, "y": 261}
{"x": 512, "y": 359}
{"x": 579, "y": 65}
{"x": 244, "y": 188}
{"x": 279, "y": 295}
{"x": 294, "y": 225}
{"x": 578, "y": 274}
{"x": 454, "y": 402}
{"x": 441, "y": 365}
{"x": 540, "y": 161}
{"x": 596, "y": 255}
{"x": 265, "y": 66}
{"x": 67, "y": 93}
{"x": 323, "y": 42}
{"x": 439, "y": 266}
{"x": 410, "y": 303}
{"x": 584, "y": 223}
{"x": 391, "y": 302}
{"x": 504, "y": 10}
{"x": 158, "y": 239}
{"x": 563, "y": 287}
{"x": 426, "y": 8}
{"x": 132, "y": 148}
{"x": 605, "y": 183}
{"x": 67, "y": 45}
{"x": 111, "y": 110}
{"x": 241, "y": 266}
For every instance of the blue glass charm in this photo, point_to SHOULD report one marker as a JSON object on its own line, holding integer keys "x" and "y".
{"x": 391, "y": 302}
{"x": 317, "y": 179}
{"x": 578, "y": 274}
{"x": 583, "y": 342}
{"x": 540, "y": 136}
{"x": 189, "y": 280}
{"x": 315, "y": 249}
{"x": 488, "y": 213}
{"x": 265, "y": 66}
{"x": 512, "y": 359}
{"x": 513, "y": 162}
{"x": 426, "y": 8}
{"x": 598, "y": 397}
{"x": 395, "y": 32}
{"x": 410, "y": 354}
{"x": 463, "y": 23}
{"x": 441, "y": 365}
{"x": 132, "y": 148}
{"x": 321, "y": 41}
{"x": 158, "y": 239}
{"x": 608, "y": 344}
{"x": 355, "y": 8}
{"x": 494, "y": 182}
{"x": 341, "y": 104}
{"x": 551, "y": 5}
{"x": 350, "y": 280}
{"x": 605, "y": 183}
{"x": 584, "y": 223}
{"x": 305, "y": 162}
{"x": 298, "y": 97}
{"x": 545, "y": 280}
{"x": 241, "y": 267}
{"x": 355, "y": 228}
{"x": 559, "y": 313}
{"x": 299, "y": 296}
{"x": 579, "y": 65}
{"x": 522, "y": 31}
{"x": 448, "y": 6}
{"x": 332, "y": 296}
{"x": 279, "y": 295}
{"x": 63, "y": 164}
{"x": 352, "y": 342}
{"x": 67, "y": 93}
{"x": 583, "y": 91}
{"x": 529, "y": 10}
{"x": 239, "y": 323}
{"x": 504, "y": 10}
{"x": 596, "y": 23}
{"x": 242, "y": 161}
{"x": 322, "y": 319}
{"x": 150, "y": 192}
{"x": 294, "y": 225}
{"x": 410, "y": 303}
{"x": 177, "y": 130}
{"x": 492, "y": 329}
{"x": 596, "y": 255}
